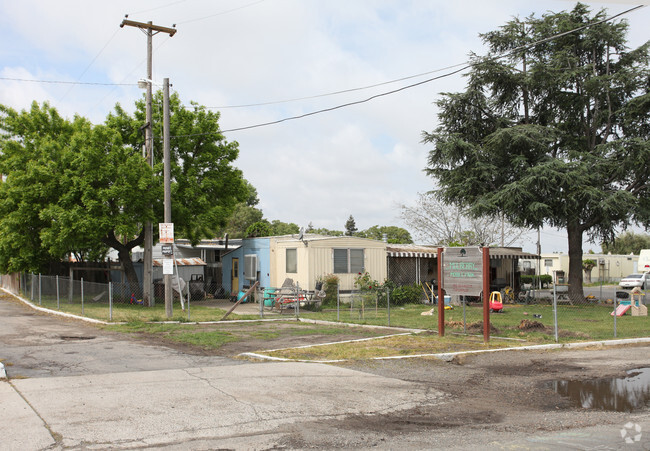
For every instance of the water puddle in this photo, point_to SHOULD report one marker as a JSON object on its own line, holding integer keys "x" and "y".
{"x": 623, "y": 394}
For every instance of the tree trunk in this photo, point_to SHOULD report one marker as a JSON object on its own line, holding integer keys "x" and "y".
{"x": 124, "y": 255}
{"x": 574, "y": 232}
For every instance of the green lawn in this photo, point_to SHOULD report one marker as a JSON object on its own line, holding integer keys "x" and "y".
{"x": 576, "y": 323}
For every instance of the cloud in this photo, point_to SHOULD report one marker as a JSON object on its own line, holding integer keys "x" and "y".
{"x": 362, "y": 160}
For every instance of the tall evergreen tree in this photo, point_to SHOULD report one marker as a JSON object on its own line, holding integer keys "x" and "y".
{"x": 350, "y": 227}
{"x": 556, "y": 132}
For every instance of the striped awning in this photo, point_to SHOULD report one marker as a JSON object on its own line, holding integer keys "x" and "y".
{"x": 403, "y": 254}
{"x": 496, "y": 253}
{"x": 195, "y": 261}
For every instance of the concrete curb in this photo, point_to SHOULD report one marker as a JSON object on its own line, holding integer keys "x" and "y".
{"x": 449, "y": 356}
{"x": 54, "y": 312}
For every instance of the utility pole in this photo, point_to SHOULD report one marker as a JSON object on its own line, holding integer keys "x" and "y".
{"x": 168, "y": 192}
{"x": 149, "y": 28}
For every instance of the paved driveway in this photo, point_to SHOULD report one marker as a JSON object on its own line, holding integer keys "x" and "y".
{"x": 74, "y": 385}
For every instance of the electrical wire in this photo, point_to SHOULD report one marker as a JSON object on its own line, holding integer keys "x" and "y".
{"x": 220, "y": 14}
{"x": 60, "y": 82}
{"x": 89, "y": 65}
{"x": 466, "y": 65}
{"x": 344, "y": 91}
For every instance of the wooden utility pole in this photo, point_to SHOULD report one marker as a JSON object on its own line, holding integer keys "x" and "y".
{"x": 149, "y": 28}
{"x": 168, "y": 193}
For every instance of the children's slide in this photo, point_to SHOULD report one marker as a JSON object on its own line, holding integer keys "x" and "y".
{"x": 621, "y": 309}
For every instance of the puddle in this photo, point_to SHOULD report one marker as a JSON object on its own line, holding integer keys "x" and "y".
{"x": 622, "y": 394}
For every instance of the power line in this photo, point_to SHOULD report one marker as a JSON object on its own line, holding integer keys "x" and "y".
{"x": 89, "y": 65}
{"x": 466, "y": 65}
{"x": 344, "y": 91}
{"x": 221, "y": 13}
{"x": 60, "y": 82}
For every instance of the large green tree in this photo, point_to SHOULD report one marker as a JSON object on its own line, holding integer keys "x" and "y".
{"x": 553, "y": 133}
{"x": 74, "y": 187}
{"x": 32, "y": 147}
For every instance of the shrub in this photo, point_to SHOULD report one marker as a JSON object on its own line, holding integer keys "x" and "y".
{"x": 331, "y": 289}
{"x": 406, "y": 294}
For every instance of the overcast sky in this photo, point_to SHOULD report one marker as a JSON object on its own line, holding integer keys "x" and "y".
{"x": 363, "y": 160}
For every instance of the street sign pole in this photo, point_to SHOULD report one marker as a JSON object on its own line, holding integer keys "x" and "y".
{"x": 441, "y": 297}
{"x": 486, "y": 294}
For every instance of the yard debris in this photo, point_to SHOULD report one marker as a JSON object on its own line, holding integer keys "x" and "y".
{"x": 428, "y": 312}
{"x": 527, "y": 324}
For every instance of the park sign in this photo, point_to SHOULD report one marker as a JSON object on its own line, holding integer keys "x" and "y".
{"x": 462, "y": 271}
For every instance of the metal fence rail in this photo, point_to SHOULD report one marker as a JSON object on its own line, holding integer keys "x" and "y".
{"x": 549, "y": 313}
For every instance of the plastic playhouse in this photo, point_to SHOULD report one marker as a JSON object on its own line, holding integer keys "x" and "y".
{"x": 630, "y": 302}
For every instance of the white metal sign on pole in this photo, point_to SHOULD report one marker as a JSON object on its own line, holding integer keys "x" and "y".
{"x": 166, "y": 232}
{"x": 168, "y": 266}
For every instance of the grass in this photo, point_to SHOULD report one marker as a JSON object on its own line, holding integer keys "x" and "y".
{"x": 463, "y": 329}
{"x": 409, "y": 345}
{"x": 125, "y": 312}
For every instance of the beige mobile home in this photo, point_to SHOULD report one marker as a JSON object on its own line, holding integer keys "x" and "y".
{"x": 311, "y": 257}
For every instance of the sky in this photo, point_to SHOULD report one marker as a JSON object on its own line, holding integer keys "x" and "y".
{"x": 260, "y": 61}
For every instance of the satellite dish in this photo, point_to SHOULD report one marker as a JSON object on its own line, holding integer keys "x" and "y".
{"x": 301, "y": 233}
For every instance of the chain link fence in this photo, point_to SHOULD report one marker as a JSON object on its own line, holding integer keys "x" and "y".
{"x": 545, "y": 314}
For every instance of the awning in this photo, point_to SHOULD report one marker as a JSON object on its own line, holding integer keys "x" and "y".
{"x": 182, "y": 262}
{"x": 430, "y": 252}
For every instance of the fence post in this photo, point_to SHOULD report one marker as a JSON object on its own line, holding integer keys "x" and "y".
{"x": 555, "y": 312}
{"x": 261, "y": 301}
{"x": 82, "y": 296}
{"x": 31, "y": 294}
{"x": 615, "y": 315}
{"x": 110, "y": 301}
{"x": 40, "y": 288}
{"x": 388, "y": 304}
{"x": 338, "y": 304}
{"x": 58, "y": 302}
{"x": 464, "y": 316}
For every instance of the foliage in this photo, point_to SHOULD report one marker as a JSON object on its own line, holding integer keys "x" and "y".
{"x": 242, "y": 217}
{"x": 279, "y": 228}
{"x": 206, "y": 186}
{"x": 406, "y": 294}
{"x": 627, "y": 243}
{"x": 327, "y": 232}
{"x": 31, "y": 147}
{"x": 588, "y": 265}
{"x": 259, "y": 229}
{"x": 554, "y": 133}
{"x": 545, "y": 279}
{"x": 394, "y": 235}
{"x": 76, "y": 188}
{"x": 331, "y": 289}
{"x": 444, "y": 224}
{"x": 350, "y": 227}
{"x": 364, "y": 282}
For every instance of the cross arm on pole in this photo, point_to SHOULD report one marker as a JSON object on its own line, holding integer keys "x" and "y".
{"x": 149, "y": 26}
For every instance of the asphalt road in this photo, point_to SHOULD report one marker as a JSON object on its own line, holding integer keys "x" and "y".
{"x": 75, "y": 386}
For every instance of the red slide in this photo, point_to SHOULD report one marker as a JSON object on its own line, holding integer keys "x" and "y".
{"x": 621, "y": 309}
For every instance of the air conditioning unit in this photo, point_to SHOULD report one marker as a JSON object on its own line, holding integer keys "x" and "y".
{"x": 250, "y": 267}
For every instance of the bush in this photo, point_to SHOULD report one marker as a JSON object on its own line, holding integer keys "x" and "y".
{"x": 544, "y": 278}
{"x": 331, "y": 289}
{"x": 406, "y": 294}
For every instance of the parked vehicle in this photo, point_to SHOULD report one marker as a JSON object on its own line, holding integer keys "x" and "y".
{"x": 635, "y": 280}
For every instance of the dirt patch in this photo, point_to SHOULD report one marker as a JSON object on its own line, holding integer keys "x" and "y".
{"x": 261, "y": 336}
{"x": 527, "y": 324}
{"x": 473, "y": 328}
